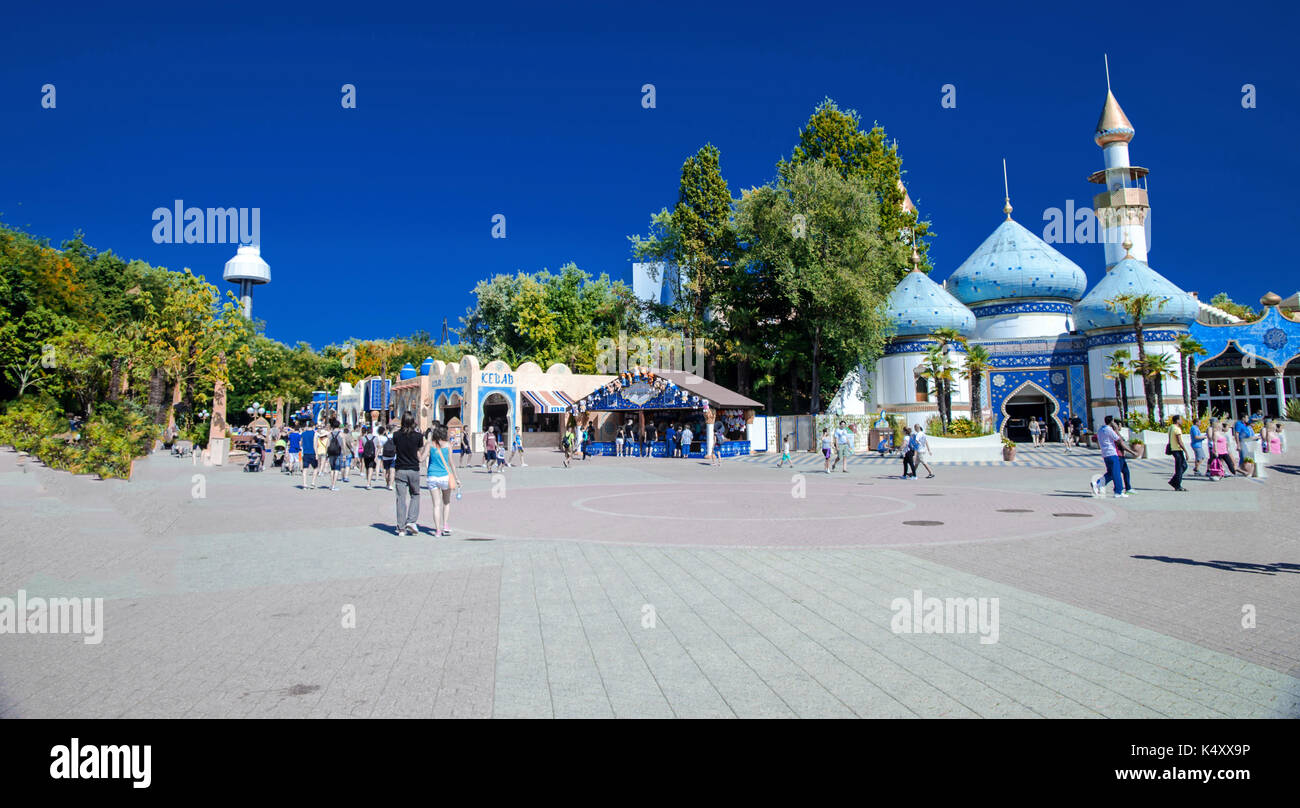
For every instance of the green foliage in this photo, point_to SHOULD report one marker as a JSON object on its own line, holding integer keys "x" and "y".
{"x": 835, "y": 137}
{"x": 831, "y": 276}
{"x": 1143, "y": 422}
{"x": 1293, "y": 410}
{"x": 1222, "y": 301}
{"x": 107, "y": 443}
{"x": 964, "y": 428}
{"x": 547, "y": 318}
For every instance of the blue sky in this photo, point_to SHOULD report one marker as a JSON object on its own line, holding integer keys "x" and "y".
{"x": 534, "y": 112}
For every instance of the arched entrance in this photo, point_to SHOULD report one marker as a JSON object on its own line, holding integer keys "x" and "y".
{"x": 1030, "y": 401}
{"x": 449, "y": 407}
{"x": 496, "y": 412}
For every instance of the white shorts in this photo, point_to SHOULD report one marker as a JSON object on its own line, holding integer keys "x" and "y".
{"x": 441, "y": 483}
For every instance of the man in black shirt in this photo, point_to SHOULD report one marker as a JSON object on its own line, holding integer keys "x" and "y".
{"x": 409, "y": 444}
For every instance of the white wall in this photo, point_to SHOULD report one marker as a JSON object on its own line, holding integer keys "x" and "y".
{"x": 1023, "y": 326}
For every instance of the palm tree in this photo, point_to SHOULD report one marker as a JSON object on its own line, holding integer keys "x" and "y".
{"x": 1155, "y": 368}
{"x": 977, "y": 364}
{"x": 946, "y": 337}
{"x": 1137, "y": 307}
{"x": 1119, "y": 372}
{"x": 938, "y": 369}
{"x": 1188, "y": 349}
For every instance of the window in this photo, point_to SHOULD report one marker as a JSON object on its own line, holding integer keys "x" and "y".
{"x": 922, "y": 389}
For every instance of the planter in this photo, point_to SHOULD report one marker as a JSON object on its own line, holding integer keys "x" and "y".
{"x": 1008, "y": 453}
{"x": 1139, "y": 450}
{"x": 960, "y": 450}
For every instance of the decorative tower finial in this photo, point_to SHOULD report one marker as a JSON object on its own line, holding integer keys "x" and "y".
{"x": 1106, "y": 57}
{"x": 1006, "y": 189}
{"x": 1127, "y": 245}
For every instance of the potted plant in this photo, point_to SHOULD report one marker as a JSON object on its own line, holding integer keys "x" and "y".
{"x": 1008, "y": 449}
{"x": 1139, "y": 448}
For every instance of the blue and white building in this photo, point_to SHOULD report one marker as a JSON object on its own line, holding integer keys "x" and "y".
{"x": 1050, "y": 338}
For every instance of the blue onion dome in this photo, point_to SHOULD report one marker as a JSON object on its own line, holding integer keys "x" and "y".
{"x": 426, "y": 367}
{"x": 407, "y": 372}
{"x": 918, "y": 306}
{"x": 1133, "y": 277}
{"x": 1013, "y": 263}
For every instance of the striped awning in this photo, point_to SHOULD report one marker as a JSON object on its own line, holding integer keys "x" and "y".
{"x": 549, "y": 401}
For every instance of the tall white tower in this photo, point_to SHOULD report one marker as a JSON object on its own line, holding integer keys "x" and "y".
{"x": 248, "y": 270}
{"x": 1122, "y": 209}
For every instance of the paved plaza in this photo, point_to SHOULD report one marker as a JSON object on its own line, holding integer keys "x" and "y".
{"x": 657, "y": 588}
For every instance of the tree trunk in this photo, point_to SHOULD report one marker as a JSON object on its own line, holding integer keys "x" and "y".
{"x": 1147, "y": 392}
{"x": 115, "y": 379}
{"x": 1182, "y": 377}
{"x": 1191, "y": 384}
{"x": 157, "y": 390}
{"x": 742, "y": 377}
{"x": 815, "y": 401}
{"x": 976, "y": 410}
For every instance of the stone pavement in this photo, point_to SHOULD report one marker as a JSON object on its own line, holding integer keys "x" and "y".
{"x": 630, "y": 587}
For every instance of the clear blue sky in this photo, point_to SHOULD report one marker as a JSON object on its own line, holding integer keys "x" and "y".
{"x": 534, "y": 111}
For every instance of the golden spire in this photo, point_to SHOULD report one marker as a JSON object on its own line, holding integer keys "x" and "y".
{"x": 1006, "y": 189}
{"x": 1113, "y": 126}
{"x": 1127, "y": 245}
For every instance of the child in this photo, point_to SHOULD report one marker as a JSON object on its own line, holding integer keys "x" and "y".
{"x": 786, "y": 443}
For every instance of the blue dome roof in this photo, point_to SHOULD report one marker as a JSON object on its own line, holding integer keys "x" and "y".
{"x": 918, "y": 306}
{"x": 407, "y": 372}
{"x": 426, "y": 366}
{"x": 1133, "y": 277}
{"x": 1014, "y": 263}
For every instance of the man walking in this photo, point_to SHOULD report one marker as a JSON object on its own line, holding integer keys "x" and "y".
{"x": 922, "y": 449}
{"x": 687, "y": 437}
{"x": 843, "y": 447}
{"x": 1179, "y": 450}
{"x": 409, "y": 445}
{"x": 1111, "y": 445}
{"x": 1243, "y": 434}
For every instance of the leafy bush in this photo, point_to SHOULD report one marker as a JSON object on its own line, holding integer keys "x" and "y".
{"x": 106, "y": 445}
{"x": 1293, "y": 410}
{"x": 964, "y": 428}
{"x": 1141, "y": 421}
{"x": 1008, "y": 443}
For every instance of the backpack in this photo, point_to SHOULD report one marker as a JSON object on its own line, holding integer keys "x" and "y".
{"x": 368, "y": 448}
{"x": 335, "y": 447}
{"x": 390, "y": 448}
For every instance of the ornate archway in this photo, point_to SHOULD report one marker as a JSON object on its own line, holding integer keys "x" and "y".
{"x": 1054, "y": 405}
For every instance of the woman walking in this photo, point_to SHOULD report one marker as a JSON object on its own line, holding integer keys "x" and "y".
{"x": 441, "y": 477}
{"x": 828, "y": 447}
{"x": 1221, "y": 460}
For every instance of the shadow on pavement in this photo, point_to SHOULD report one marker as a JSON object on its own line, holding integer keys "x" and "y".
{"x": 1230, "y": 566}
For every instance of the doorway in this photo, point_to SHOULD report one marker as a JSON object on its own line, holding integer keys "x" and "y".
{"x": 1030, "y": 402}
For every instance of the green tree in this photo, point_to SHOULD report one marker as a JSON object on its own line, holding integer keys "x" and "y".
{"x": 1222, "y": 301}
{"x": 835, "y": 137}
{"x": 1155, "y": 369}
{"x": 978, "y": 362}
{"x": 1188, "y": 349}
{"x": 1137, "y": 307}
{"x": 697, "y": 239}
{"x": 1118, "y": 371}
{"x": 832, "y": 273}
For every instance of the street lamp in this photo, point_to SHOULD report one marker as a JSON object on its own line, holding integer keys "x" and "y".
{"x": 255, "y": 409}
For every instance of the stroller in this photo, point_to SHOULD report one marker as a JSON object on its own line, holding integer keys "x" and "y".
{"x": 255, "y": 456}
{"x": 1214, "y": 469}
{"x": 277, "y": 459}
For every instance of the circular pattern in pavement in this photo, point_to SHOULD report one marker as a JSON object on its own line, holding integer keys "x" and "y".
{"x": 763, "y": 514}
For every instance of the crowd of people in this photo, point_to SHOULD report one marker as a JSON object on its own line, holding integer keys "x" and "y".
{"x": 1213, "y": 445}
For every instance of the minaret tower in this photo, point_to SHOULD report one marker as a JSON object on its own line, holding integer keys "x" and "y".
{"x": 1122, "y": 209}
